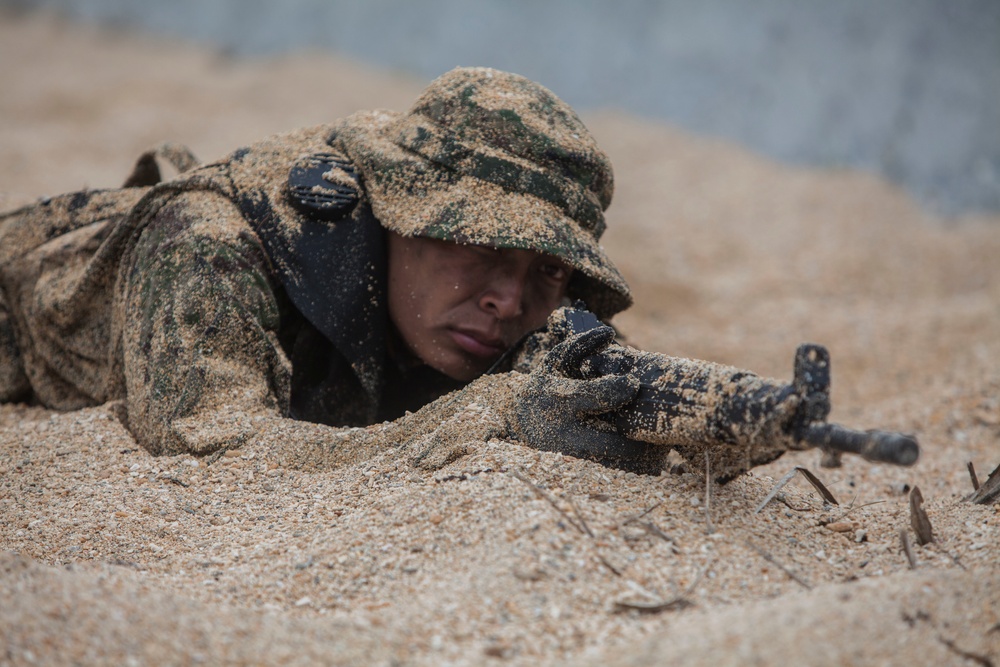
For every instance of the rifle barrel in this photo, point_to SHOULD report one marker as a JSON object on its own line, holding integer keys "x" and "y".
{"x": 878, "y": 446}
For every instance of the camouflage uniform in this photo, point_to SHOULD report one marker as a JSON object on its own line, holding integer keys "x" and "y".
{"x": 228, "y": 302}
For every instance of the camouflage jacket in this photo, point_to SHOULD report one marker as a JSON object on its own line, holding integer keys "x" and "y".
{"x": 216, "y": 305}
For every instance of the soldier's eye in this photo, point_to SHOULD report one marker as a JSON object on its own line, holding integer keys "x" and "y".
{"x": 554, "y": 272}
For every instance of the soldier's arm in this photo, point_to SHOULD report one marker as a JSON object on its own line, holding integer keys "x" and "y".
{"x": 200, "y": 354}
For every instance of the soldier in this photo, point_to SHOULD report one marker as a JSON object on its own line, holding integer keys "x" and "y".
{"x": 336, "y": 276}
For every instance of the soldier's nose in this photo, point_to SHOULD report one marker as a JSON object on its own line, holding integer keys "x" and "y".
{"x": 503, "y": 298}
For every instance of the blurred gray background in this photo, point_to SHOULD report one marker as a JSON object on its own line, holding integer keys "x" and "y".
{"x": 906, "y": 88}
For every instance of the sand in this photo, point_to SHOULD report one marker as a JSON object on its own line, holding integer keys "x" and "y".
{"x": 508, "y": 555}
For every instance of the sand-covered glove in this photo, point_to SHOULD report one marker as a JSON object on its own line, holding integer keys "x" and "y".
{"x": 553, "y": 411}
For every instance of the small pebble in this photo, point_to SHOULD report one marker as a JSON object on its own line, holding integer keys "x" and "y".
{"x": 842, "y": 526}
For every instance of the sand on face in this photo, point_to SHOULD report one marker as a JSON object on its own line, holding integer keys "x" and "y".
{"x": 509, "y": 555}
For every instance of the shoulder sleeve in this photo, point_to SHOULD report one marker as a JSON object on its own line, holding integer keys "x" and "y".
{"x": 201, "y": 356}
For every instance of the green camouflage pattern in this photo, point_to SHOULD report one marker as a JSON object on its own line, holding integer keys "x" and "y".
{"x": 171, "y": 313}
{"x": 57, "y": 272}
{"x": 202, "y": 357}
{"x": 448, "y": 126}
{"x": 491, "y": 158}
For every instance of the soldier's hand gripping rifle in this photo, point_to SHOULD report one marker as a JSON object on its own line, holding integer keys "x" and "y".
{"x": 654, "y": 403}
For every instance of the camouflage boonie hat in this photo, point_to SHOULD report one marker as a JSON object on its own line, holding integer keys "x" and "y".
{"x": 490, "y": 158}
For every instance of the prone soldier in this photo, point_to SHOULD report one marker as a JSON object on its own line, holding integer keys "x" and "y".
{"x": 367, "y": 273}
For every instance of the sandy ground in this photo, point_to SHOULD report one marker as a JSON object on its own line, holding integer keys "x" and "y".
{"x": 508, "y": 556}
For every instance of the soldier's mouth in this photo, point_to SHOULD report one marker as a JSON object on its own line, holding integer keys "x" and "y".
{"x": 477, "y": 343}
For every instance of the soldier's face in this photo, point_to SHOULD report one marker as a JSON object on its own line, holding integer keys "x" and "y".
{"x": 458, "y": 307}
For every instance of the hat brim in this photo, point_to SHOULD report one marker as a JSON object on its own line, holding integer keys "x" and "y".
{"x": 414, "y": 197}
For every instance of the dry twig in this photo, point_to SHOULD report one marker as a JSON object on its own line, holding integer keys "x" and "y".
{"x": 818, "y": 485}
{"x": 654, "y": 607}
{"x": 813, "y": 479}
{"x": 777, "y": 487}
{"x": 784, "y": 499}
{"x": 641, "y": 514}
{"x": 708, "y": 495}
{"x": 851, "y": 508}
{"x": 675, "y": 603}
{"x": 904, "y": 539}
{"x": 990, "y": 491}
{"x": 972, "y": 474}
{"x": 968, "y": 655}
{"x": 550, "y": 500}
{"x": 606, "y": 563}
{"x": 918, "y": 518}
{"x": 771, "y": 559}
{"x": 583, "y": 522}
{"x": 176, "y": 480}
{"x": 653, "y": 529}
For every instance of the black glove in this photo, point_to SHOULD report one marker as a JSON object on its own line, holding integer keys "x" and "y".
{"x": 555, "y": 412}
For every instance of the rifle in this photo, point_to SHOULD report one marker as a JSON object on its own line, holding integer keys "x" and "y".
{"x": 738, "y": 418}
